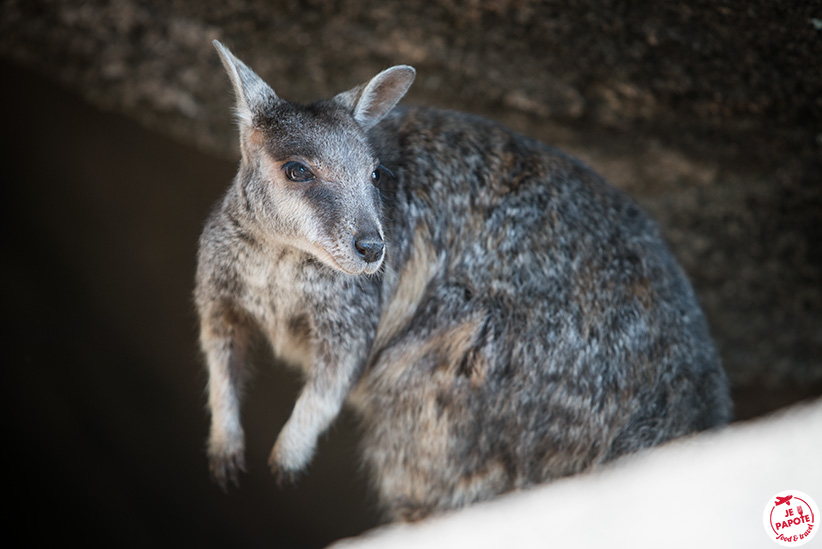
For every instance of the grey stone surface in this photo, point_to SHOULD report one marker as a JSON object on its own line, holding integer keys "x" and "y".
{"x": 644, "y": 501}
{"x": 709, "y": 113}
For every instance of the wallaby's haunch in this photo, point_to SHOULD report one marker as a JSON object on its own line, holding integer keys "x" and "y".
{"x": 497, "y": 314}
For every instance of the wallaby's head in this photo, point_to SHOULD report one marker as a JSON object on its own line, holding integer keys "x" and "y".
{"x": 308, "y": 175}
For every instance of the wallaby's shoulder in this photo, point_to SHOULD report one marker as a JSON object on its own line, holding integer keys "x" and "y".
{"x": 476, "y": 149}
{"x": 431, "y": 131}
{"x": 443, "y": 155}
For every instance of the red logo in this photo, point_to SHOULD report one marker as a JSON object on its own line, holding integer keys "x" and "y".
{"x": 791, "y": 518}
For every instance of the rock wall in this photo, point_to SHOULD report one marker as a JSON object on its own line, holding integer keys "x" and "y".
{"x": 709, "y": 113}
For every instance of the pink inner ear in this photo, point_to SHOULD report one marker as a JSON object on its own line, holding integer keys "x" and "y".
{"x": 381, "y": 94}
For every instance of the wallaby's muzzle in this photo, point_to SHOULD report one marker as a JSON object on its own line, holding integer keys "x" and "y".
{"x": 370, "y": 247}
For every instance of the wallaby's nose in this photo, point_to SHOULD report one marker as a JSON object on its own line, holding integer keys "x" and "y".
{"x": 369, "y": 247}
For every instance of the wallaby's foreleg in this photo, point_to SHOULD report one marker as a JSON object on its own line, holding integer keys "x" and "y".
{"x": 225, "y": 345}
{"x": 319, "y": 403}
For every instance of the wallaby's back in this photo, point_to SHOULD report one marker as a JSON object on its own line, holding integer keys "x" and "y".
{"x": 499, "y": 315}
{"x": 550, "y": 328}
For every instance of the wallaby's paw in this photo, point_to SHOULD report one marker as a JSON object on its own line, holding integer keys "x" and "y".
{"x": 284, "y": 477}
{"x": 285, "y": 473}
{"x": 224, "y": 469}
{"x": 288, "y": 460}
{"x": 225, "y": 460}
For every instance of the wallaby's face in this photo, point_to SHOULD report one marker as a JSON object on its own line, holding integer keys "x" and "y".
{"x": 308, "y": 173}
{"x": 315, "y": 174}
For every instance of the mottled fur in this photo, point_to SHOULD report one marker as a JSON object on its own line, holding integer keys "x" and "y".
{"x": 524, "y": 322}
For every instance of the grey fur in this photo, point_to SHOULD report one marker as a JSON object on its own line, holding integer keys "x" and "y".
{"x": 524, "y": 322}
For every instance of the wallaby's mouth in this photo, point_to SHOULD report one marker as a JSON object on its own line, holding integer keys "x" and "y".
{"x": 357, "y": 258}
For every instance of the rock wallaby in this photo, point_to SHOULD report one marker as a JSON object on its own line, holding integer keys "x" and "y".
{"x": 496, "y": 313}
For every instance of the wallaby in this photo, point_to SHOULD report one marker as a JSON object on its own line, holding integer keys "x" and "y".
{"x": 497, "y": 314}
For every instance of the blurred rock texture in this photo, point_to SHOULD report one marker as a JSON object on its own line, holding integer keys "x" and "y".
{"x": 708, "y": 112}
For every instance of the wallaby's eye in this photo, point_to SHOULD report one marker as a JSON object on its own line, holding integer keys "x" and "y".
{"x": 376, "y": 175}
{"x": 297, "y": 171}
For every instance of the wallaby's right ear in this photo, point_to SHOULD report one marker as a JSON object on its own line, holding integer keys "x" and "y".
{"x": 251, "y": 91}
{"x": 370, "y": 102}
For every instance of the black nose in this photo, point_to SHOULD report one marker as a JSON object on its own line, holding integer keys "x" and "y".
{"x": 369, "y": 247}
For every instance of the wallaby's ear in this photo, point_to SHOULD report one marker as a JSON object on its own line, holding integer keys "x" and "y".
{"x": 251, "y": 91}
{"x": 369, "y": 103}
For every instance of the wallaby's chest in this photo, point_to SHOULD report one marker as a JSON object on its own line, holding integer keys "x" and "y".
{"x": 279, "y": 292}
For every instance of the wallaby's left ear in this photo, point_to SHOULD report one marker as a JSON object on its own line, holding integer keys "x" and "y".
{"x": 369, "y": 103}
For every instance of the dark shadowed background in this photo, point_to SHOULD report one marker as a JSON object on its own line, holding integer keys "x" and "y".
{"x": 708, "y": 113}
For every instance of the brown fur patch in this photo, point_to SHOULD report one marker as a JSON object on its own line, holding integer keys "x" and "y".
{"x": 452, "y": 350}
{"x": 418, "y": 271}
{"x": 455, "y": 348}
{"x": 268, "y": 166}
